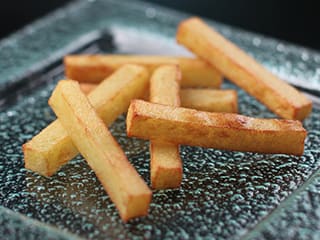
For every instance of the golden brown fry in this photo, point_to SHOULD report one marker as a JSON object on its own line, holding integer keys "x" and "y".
{"x": 52, "y": 147}
{"x": 165, "y": 85}
{"x": 165, "y": 161}
{"x": 243, "y": 70}
{"x": 89, "y": 134}
{"x": 215, "y": 130}
{"x": 210, "y": 100}
{"x": 94, "y": 68}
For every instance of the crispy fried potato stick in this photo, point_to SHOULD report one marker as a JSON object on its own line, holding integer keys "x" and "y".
{"x": 165, "y": 161}
{"x": 94, "y": 68}
{"x": 243, "y": 70}
{"x": 210, "y": 100}
{"x": 52, "y": 147}
{"x": 215, "y": 130}
{"x": 89, "y": 134}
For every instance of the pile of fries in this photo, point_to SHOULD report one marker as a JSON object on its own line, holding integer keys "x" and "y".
{"x": 169, "y": 101}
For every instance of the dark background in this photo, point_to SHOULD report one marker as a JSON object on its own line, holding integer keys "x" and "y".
{"x": 294, "y": 21}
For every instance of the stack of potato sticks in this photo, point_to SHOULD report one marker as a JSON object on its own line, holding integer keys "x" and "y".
{"x": 169, "y": 101}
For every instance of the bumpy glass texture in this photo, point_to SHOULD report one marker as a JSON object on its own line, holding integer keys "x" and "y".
{"x": 224, "y": 195}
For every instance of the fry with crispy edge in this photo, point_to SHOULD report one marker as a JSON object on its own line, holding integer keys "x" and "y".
{"x": 215, "y": 130}
{"x": 210, "y": 100}
{"x": 165, "y": 161}
{"x": 94, "y": 68}
{"x": 52, "y": 147}
{"x": 92, "y": 138}
{"x": 243, "y": 70}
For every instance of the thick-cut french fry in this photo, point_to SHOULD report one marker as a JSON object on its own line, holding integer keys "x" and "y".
{"x": 243, "y": 70}
{"x": 94, "y": 68}
{"x": 165, "y": 161}
{"x": 52, "y": 147}
{"x": 210, "y": 100}
{"x": 216, "y": 130}
{"x": 89, "y": 134}
{"x": 165, "y": 85}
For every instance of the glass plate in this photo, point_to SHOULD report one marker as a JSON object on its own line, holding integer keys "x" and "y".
{"x": 224, "y": 195}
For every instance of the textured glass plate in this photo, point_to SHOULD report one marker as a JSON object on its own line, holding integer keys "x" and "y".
{"x": 224, "y": 195}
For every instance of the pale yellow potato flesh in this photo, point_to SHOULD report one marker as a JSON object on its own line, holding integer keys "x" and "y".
{"x": 165, "y": 161}
{"x": 210, "y": 100}
{"x": 94, "y": 68}
{"x": 46, "y": 152}
{"x": 214, "y": 130}
{"x": 89, "y": 134}
{"x": 281, "y": 98}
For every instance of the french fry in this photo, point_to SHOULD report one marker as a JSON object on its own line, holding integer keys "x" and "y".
{"x": 94, "y": 68}
{"x": 165, "y": 161}
{"x": 215, "y": 130}
{"x": 52, "y": 147}
{"x": 89, "y": 134}
{"x": 243, "y": 70}
{"x": 210, "y": 100}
